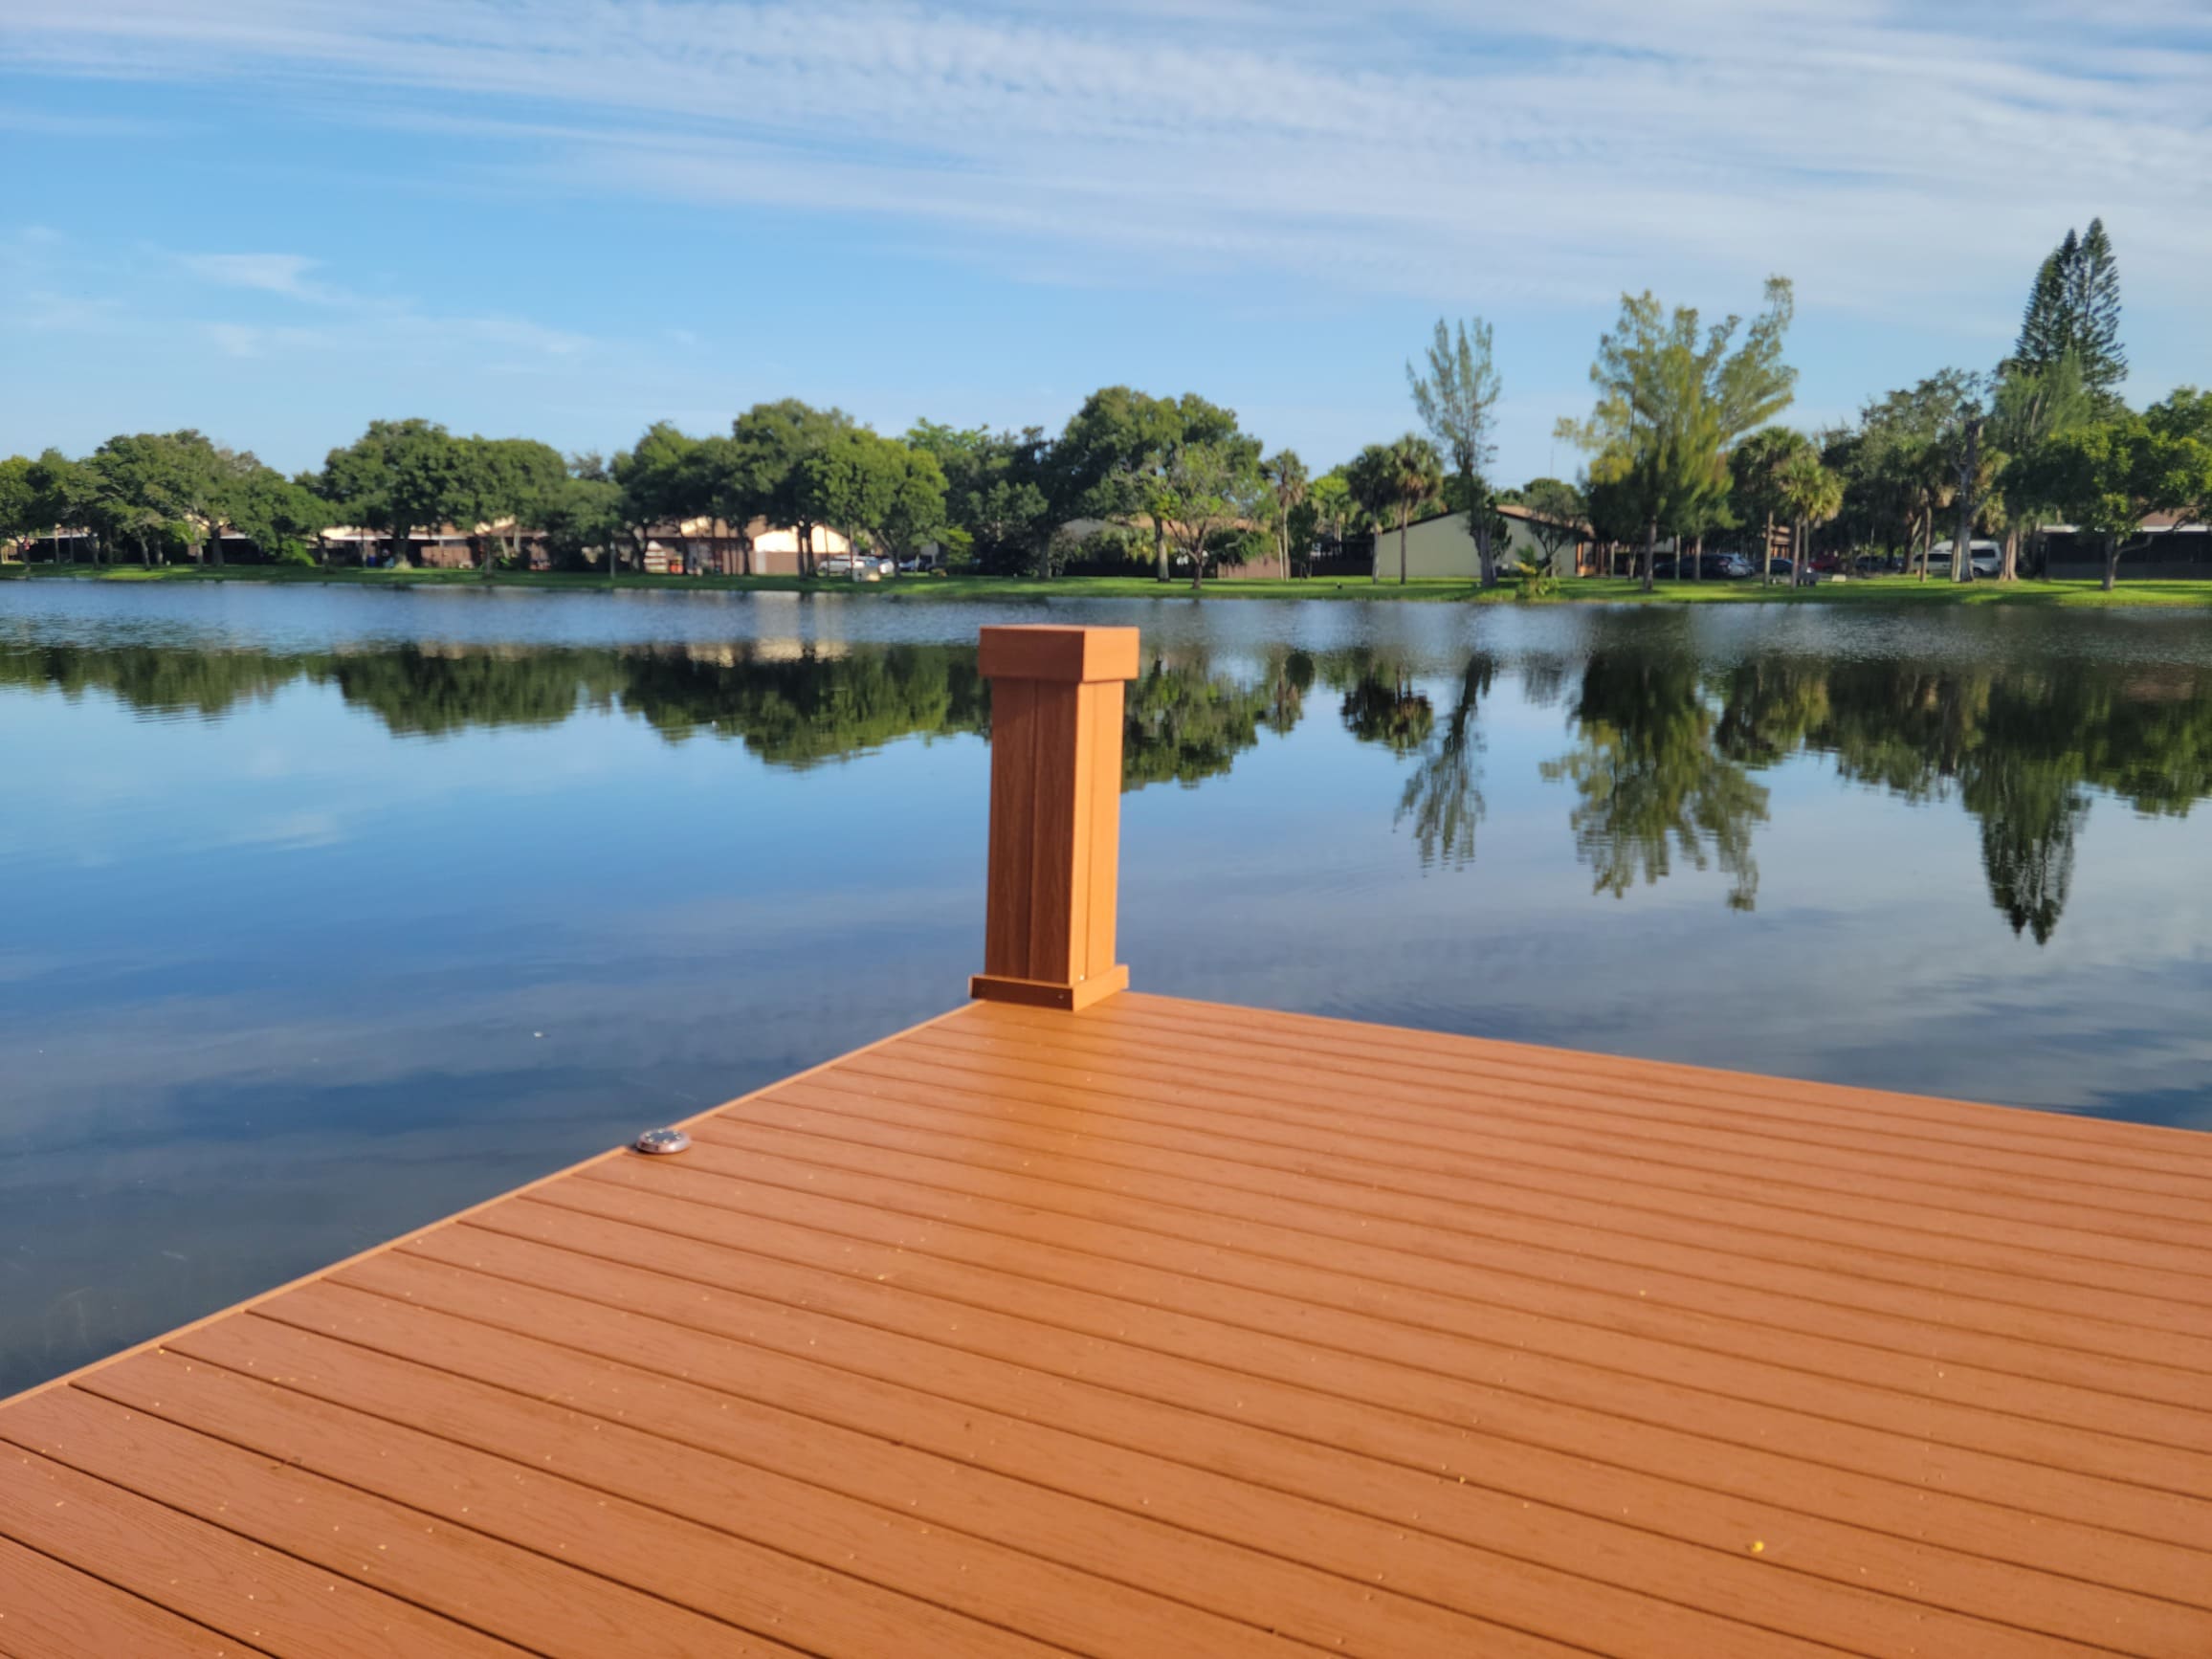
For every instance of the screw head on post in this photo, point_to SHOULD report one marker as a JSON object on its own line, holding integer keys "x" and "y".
{"x": 662, "y": 1142}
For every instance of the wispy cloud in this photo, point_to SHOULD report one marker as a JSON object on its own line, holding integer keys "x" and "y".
{"x": 65, "y": 288}
{"x": 1435, "y": 147}
{"x": 1906, "y": 162}
{"x": 284, "y": 273}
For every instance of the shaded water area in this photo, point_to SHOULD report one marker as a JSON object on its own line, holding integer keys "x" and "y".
{"x": 328, "y": 912}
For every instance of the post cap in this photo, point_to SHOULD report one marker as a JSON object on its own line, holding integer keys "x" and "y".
{"x": 1079, "y": 656}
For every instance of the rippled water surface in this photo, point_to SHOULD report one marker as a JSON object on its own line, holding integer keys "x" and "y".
{"x": 328, "y": 911}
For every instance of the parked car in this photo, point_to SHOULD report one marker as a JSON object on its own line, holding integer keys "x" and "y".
{"x": 1780, "y": 570}
{"x": 1985, "y": 558}
{"x": 1709, "y": 566}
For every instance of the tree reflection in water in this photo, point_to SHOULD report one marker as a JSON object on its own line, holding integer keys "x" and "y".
{"x": 2020, "y": 748}
{"x": 1651, "y": 779}
{"x": 1667, "y": 747}
{"x": 1442, "y": 796}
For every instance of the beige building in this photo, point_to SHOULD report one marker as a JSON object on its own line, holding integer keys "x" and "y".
{"x": 1439, "y": 546}
{"x": 445, "y": 546}
{"x": 716, "y": 548}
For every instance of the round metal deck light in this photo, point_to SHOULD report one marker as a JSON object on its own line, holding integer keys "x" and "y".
{"x": 662, "y": 1142}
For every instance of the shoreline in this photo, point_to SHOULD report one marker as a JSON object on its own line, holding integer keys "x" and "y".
{"x": 1878, "y": 590}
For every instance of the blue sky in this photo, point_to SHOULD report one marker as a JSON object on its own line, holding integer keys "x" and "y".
{"x": 275, "y": 219}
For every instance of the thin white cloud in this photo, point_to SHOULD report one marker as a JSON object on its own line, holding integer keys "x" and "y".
{"x": 1885, "y": 152}
{"x": 67, "y": 290}
{"x": 284, "y": 273}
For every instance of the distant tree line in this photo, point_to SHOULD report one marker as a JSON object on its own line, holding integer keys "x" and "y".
{"x": 1681, "y": 445}
{"x": 1663, "y": 764}
{"x": 1131, "y": 477}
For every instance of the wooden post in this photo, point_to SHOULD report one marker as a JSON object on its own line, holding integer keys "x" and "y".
{"x": 1055, "y": 838}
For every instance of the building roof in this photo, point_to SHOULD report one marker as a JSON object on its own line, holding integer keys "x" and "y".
{"x": 1507, "y": 509}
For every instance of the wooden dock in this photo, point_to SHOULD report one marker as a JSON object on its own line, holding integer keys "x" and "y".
{"x": 1119, "y": 1325}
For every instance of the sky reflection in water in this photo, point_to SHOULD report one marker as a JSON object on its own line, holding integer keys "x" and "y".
{"x": 329, "y": 912}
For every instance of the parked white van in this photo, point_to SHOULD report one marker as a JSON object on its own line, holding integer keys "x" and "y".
{"x": 1987, "y": 558}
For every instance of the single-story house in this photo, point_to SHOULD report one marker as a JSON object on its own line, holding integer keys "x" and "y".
{"x": 1440, "y": 546}
{"x": 440, "y": 546}
{"x": 716, "y": 548}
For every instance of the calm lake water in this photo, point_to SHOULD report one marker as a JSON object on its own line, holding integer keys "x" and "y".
{"x": 328, "y": 912}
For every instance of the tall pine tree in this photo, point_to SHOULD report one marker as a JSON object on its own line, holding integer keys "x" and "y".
{"x": 2043, "y": 334}
{"x": 2096, "y": 302}
{"x": 2074, "y": 307}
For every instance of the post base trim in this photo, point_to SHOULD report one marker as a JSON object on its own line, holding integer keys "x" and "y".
{"x": 1045, "y": 993}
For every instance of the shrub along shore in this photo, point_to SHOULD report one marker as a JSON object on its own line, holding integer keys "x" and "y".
{"x": 1878, "y": 590}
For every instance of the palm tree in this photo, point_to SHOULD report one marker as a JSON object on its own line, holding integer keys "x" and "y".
{"x": 1416, "y": 474}
{"x": 1371, "y": 479}
{"x": 1287, "y": 482}
{"x": 1810, "y": 493}
{"x": 1934, "y": 485}
{"x": 1757, "y": 467}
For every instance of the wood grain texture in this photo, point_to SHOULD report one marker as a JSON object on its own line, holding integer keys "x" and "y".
{"x": 1055, "y": 840}
{"x": 1166, "y": 1327}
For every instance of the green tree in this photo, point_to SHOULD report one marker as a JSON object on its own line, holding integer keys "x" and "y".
{"x": 1394, "y": 481}
{"x": 2073, "y": 310}
{"x": 1287, "y": 485}
{"x": 879, "y": 488}
{"x": 1616, "y": 502}
{"x": 280, "y": 516}
{"x": 507, "y": 478}
{"x": 1673, "y": 400}
{"x": 1115, "y": 457}
{"x": 1457, "y": 401}
{"x": 401, "y": 477}
{"x": 669, "y": 476}
{"x": 1755, "y": 469}
{"x": 1808, "y": 495}
{"x": 1330, "y": 497}
{"x": 19, "y": 503}
{"x": 1900, "y": 466}
{"x": 773, "y": 443}
{"x": 2031, "y": 404}
{"x": 579, "y": 516}
{"x": 1204, "y": 491}
{"x": 64, "y": 494}
{"x": 162, "y": 490}
{"x": 997, "y": 509}
{"x": 2109, "y": 477}
{"x": 134, "y": 497}
{"x": 1558, "y": 517}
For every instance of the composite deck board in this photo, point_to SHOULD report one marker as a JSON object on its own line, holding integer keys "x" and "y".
{"x": 1247, "y": 1122}
{"x": 1167, "y": 1327}
{"x": 1429, "y": 1334}
{"x": 1543, "y": 1103}
{"x": 2153, "y": 1401}
{"x": 1495, "y": 1235}
{"x": 820, "y": 1126}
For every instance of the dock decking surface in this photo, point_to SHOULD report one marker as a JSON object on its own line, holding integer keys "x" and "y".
{"x": 1171, "y": 1329}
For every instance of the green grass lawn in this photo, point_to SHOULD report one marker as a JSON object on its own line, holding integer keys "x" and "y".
{"x": 1893, "y": 591}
